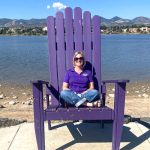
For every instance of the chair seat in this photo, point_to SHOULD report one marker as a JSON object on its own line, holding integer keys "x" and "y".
{"x": 72, "y": 113}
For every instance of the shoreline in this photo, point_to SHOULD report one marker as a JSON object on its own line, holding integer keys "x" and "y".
{"x": 101, "y": 34}
{"x": 18, "y": 102}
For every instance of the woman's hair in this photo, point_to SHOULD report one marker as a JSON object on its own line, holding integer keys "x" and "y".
{"x": 74, "y": 56}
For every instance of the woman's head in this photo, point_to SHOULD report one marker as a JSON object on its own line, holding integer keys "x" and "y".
{"x": 78, "y": 59}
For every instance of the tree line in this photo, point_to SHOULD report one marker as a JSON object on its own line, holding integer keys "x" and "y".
{"x": 22, "y": 31}
{"x": 104, "y": 29}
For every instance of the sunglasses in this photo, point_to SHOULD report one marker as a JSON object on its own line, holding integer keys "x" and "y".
{"x": 78, "y": 58}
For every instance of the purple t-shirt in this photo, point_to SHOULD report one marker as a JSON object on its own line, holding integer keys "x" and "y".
{"x": 78, "y": 82}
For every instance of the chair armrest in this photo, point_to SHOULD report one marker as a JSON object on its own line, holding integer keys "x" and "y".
{"x": 115, "y": 81}
{"x": 118, "y": 83}
{"x": 103, "y": 89}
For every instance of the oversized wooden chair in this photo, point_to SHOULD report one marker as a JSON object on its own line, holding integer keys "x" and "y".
{"x": 67, "y": 33}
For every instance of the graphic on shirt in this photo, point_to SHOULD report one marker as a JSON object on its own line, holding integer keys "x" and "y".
{"x": 85, "y": 74}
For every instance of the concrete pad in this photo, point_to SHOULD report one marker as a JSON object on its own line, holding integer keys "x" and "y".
{"x": 7, "y": 135}
{"x": 138, "y": 140}
{"x": 73, "y": 136}
{"x": 25, "y": 139}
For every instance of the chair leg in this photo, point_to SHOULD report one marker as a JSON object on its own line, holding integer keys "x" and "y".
{"x": 39, "y": 131}
{"x": 39, "y": 115}
{"x": 118, "y": 115}
{"x": 117, "y": 133}
{"x": 49, "y": 125}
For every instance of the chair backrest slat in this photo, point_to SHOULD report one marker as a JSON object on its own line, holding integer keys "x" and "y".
{"x": 96, "y": 56}
{"x": 69, "y": 37}
{"x": 60, "y": 39}
{"x": 52, "y": 58}
{"x": 87, "y": 35}
{"x": 78, "y": 29}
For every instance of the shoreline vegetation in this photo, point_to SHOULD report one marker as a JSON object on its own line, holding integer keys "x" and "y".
{"x": 134, "y": 29}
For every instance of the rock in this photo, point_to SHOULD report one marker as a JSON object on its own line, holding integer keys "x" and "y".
{"x": 139, "y": 95}
{"x": 127, "y": 92}
{"x": 30, "y": 98}
{"x": 127, "y": 119}
{"x": 107, "y": 101}
{"x": 136, "y": 91}
{"x": 14, "y": 97}
{"x": 24, "y": 93}
{"x": 1, "y": 106}
{"x": 145, "y": 95}
{"x": 13, "y": 102}
{"x": 1, "y": 96}
{"x": 111, "y": 95}
{"x": 29, "y": 102}
{"x": 113, "y": 89}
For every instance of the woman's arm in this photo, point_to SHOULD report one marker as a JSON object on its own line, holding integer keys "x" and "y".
{"x": 65, "y": 86}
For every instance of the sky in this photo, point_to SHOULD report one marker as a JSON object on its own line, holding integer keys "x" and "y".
{"x": 27, "y": 9}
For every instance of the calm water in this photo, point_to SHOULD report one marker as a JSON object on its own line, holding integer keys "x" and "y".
{"x": 24, "y": 58}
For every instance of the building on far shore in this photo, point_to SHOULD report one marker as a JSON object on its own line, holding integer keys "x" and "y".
{"x": 145, "y": 29}
{"x": 133, "y": 30}
{"x": 44, "y": 29}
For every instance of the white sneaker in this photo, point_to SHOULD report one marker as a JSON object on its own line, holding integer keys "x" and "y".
{"x": 80, "y": 102}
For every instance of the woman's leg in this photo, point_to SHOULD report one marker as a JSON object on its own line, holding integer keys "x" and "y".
{"x": 92, "y": 95}
{"x": 69, "y": 97}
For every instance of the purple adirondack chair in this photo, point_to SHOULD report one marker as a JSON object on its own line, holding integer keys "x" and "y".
{"x": 66, "y": 34}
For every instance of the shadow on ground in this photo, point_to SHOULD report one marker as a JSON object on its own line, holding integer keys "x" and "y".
{"x": 93, "y": 133}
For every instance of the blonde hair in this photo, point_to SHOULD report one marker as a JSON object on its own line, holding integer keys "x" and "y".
{"x": 81, "y": 53}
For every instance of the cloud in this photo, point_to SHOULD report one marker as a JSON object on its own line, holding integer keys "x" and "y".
{"x": 58, "y": 5}
{"x": 48, "y": 6}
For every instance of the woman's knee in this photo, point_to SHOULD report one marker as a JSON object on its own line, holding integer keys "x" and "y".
{"x": 63, "y": 93}
{"x": 92, "y": 95}
{"x": 94, "y": 92}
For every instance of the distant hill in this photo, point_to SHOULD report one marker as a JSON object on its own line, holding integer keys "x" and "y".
{"x": 115, "y": 21}
{"x": 4, "y": 22}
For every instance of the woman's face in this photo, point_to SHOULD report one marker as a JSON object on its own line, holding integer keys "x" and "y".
{"x": 79, "y": 60}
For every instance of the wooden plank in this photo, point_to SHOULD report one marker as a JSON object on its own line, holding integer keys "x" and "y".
{"x": 78, "y": 29}
{"x": 52, "y": 57}
{"x": 69, "y": 37}
{"x": 87, "y": 35}
{"x": 77, "y": 114}
{"x": 96, "y": 53}
{"x": 60, "y": 48}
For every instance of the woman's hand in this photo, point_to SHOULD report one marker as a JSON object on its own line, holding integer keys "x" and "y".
{"x": 65, "y": 86}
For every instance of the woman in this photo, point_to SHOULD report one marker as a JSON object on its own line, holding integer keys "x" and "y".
{"x": 78, "y": 85}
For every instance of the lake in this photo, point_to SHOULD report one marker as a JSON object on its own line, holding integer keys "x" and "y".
{"x": 24, "y": 58}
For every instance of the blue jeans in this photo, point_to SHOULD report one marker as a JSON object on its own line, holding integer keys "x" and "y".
{"x": 72, "y": 98}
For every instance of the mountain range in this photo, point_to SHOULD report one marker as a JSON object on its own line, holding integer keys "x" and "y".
{"x": 115, "y": 21}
